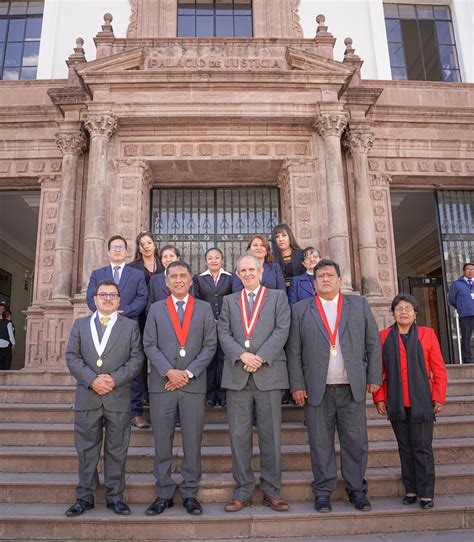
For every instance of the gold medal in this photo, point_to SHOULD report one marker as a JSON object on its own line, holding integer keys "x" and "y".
{"x": 333, "y": 351}
{"x": 247, "y": 343}
{"x": 182, "y": 352}
{"x": 99, "y": 363}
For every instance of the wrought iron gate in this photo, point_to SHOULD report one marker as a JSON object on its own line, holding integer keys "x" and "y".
{"x": 194, "y": 219}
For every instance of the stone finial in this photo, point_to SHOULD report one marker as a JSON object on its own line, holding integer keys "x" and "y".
{"x": 349, "y": 53}
{"x": 321, "y": 19}
{"x": 107, "y": 29}
{"x": 79, "y": 55}
{"x": 324, "y": 40}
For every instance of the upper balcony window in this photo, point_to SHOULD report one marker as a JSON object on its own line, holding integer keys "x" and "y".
{"x": 20, "y": 32}
{"x": 421, "y": 43}
{"x": 215, "y": 18}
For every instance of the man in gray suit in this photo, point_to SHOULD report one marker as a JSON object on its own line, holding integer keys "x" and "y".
{"x": 180, "y": 341}
{"x": 334, "y": 358}
{"x": 104, "y": 354}
{"x": 253, "y": 329}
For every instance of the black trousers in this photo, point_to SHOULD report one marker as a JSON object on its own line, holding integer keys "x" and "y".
{"x": 467, "y": 325}
{"x": 5, "y": 358}
{"x": 214, "y": 375}
{"x": 416, "y": 456}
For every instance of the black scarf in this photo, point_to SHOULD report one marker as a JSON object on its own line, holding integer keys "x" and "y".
{"x": 418, "y": 384}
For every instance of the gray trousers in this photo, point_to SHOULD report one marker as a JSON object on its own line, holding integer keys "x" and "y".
{"x": 163, "y": 408}
{"x": 337, "y": 409}
{"x": 88, "y": 433}
{"x": 239, "y": 411}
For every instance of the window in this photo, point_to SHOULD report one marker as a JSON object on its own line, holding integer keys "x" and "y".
{"x": 20, "y": 32}
{"x": 421, "y": 43}
{"x": 215, "y": 18}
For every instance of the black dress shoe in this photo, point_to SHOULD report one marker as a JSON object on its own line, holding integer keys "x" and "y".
{"x": 210, "y": 403}
{"x": 193, "y": 506}
{"x": 119, "y": 508}
{"x": 78, "y": 508}
{"x": 410, "y": 499}
{"x": 222, "y": 401}
{"x": 426, "y": 504}
{"x": 158, "y": 506}
{"x": 360, "y": 501}
{"x": 322, "y": 504}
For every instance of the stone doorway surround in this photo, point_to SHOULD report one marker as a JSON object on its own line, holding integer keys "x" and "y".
{"x": 160, "y": 111}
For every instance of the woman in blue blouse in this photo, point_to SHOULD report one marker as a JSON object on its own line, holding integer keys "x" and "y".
{"x": 302, "y": 286}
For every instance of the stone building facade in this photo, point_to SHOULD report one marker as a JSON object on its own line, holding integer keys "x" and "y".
{"x": 153, "y": 110}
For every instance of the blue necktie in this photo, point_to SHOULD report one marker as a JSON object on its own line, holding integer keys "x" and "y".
{"x": 180, "y": 311}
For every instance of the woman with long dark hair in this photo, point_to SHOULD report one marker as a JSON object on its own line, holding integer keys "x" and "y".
{"x": 211, "y": 286}
{"x": 413, "y": 392}
{"x": 287, "y": 252}
{"x": 157, "y": 288}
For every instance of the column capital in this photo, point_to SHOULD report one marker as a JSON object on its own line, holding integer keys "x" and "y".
{"x": 101, "y": 125}
{"x": 357, "y": 142}
{"x": 71, "y": 142}
{"x": 331, "y": 123}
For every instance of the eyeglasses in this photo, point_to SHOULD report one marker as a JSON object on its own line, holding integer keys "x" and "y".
{"x": 103, "y": 295}
{"x": 407, "y": 310}
{"x": 118, "y": 248}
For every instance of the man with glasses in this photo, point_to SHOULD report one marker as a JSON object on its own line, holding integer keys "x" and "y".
{"x": 334, "y": 358}
{"x": 461, "y": 297}
{"x": 103, "y": 354}
{"x": 133, "y": 299}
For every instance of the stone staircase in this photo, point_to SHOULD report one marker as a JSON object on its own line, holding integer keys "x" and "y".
{"x": 38, "y": 474}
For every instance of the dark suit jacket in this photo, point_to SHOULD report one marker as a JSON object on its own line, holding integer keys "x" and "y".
{"x": 297, "y": 268}
{"x": 272, "y": 278}
{"x": 308, "y": 345}
{"x": 460, "y": 298}
{"x": 268, "y": 341}
{"x": 122, "y": 359}
{"x": 207, "y": 290}
{"x": 138, "y": 264}
{"x": 158, "y": 290}
{"x": 301, "y": 287}
{"x": 133, "y": 290}
{"x": 162, "y": 348}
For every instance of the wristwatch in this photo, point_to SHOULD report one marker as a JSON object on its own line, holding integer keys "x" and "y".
{"x": 190, "y": 374}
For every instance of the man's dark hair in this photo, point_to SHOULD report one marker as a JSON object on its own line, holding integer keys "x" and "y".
{"x": 6, "y": 313}
{"x": 106, "y": 282}
{"x": 114, "y": 238}
{"x": 327, "y": 263}
{"x": 179, "y": 263}
{"x": 404, "y": 297}
{"x": 465, "y": 265}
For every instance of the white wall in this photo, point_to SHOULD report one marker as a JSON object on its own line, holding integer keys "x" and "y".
{"x": 462, "y": 12}
{"x": 66, "y": 20}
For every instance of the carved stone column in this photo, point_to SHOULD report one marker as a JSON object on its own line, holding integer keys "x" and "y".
{"x": 101, "y": 128}
{"x": 330, "y": 126}
{"x": 359, "y": 144}
{"x": 72, "y": 145}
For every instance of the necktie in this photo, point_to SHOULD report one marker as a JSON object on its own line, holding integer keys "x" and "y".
{"x": 469, "y": 282}
{"x": 117, "y": 274}
{"x": 180, "y": 311}
{"x": 251, "y": 302}
{"x": 105, "y": 320}
{"x": 331, "y": 313}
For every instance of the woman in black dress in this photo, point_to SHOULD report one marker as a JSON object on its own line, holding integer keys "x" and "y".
{"x": 211, "y": 286}
{"x": 287, "y": 252}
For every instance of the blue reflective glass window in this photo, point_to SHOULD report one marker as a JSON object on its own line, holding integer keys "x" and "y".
{"x": 204, "y": 27}
{"x": 16, "y": 29}
{"x": 224, "y": 26}
{"x": 186, "y": 27}
{"x": 243, "y": 27}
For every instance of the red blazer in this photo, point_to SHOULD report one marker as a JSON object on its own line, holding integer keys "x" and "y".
{"x": 435, "y": 367}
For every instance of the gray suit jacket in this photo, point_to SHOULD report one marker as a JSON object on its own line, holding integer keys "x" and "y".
{"x": 268, "y": 341}
{"x": 308, "y": 348}
{"x": 162, "y": 348}
{"x": 122, "y": 359}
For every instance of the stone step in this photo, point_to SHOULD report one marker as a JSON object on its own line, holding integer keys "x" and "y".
{"x": 218, "y": 487}
{"x": 65, "y": 394}
{"x": 462, "y": 405}
{"x": 215, "y": 434}
{"x": 218, "y": 458}
{"x": 388, "y": 515}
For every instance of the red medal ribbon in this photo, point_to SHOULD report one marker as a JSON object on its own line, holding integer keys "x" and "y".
{"x": 332, "y": 334}
{"x": 181, "y": 332}
{"x": 244, "y": 310}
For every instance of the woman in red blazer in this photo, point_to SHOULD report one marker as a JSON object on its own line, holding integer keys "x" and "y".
{"x": 413, "y": 392}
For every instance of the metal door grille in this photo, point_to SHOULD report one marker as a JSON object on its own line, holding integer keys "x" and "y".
{"x": 194, "y": 219}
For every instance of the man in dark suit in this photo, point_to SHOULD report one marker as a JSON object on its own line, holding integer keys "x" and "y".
{"x": 133, "y": 299}
{"x": 253, "y": 329}
{"x": 104, "y": 354}
{"x": 461, "y": 297}
{"x": 180, "y": 340}
{"x": 334, "y": 358}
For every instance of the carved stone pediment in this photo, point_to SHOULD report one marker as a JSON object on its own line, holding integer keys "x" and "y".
{"x": 119, "y": 62}
{"x": 298, "y": 59}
